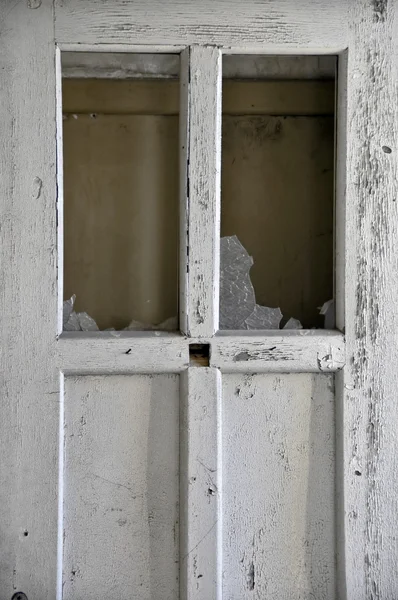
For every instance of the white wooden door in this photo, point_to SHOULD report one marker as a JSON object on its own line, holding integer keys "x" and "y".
{"x": 127, "y": 471}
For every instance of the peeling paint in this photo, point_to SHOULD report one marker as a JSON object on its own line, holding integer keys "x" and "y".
{"x": 379, "y": 10}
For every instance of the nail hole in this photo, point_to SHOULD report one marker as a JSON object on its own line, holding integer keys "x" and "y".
{"x": 358, "y": 473}
{"x": 26, "y": 533}
{"x": 387, "y": 149}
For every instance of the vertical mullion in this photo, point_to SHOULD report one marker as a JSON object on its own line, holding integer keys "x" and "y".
{"x": 200, "y": 550}
{"x": 200, "y": 192}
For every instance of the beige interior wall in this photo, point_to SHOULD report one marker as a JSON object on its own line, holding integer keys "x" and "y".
{"x": 121, "y": 216}
{"x": 121, "y": 194}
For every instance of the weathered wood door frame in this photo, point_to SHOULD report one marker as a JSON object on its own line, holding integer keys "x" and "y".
{"x": 36, "y": 356}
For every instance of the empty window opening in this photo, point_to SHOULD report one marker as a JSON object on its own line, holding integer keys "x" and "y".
{"x": 120, "y": 163}
{"x": 277, "y": 192}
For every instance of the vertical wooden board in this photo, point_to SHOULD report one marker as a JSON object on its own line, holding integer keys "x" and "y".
{"x": 121, "y": 487}
{"x": 28, "y": 324}
{"x": 278, "y": 487}
{"x": 369, "y": 384}
{"x": 204, "y": 191}
{"x": 200, "y": 488}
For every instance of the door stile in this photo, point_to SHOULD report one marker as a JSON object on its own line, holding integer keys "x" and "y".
{"x": 28, "y": 327}
{"x": 200, "y": 484}
{"x": 369, "y": 385}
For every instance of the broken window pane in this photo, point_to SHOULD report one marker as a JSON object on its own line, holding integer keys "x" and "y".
{"x": 277, "y": 192}
{"x": 120, "y": 161}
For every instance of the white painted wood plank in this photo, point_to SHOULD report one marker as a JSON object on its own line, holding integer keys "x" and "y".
{"x": 200, "y": 486}
{"x": 370, "y": 380}
{"x": 278, "y": 487}
{"x": 304, "y": 351}
{"x": 121, "y": 507}
{"x": 312, "y": 26}
{"x": 28, "y": 325}
{"x": 203, "y": 210}
{"x": 105, "y": 352}
{"x": 119, "y": 352}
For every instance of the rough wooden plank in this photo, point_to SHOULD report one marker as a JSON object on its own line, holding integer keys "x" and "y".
{"x": 312, "y": 26}
{"x": 370, "y": 380}
{"x": 304, "y": 351}
{"x": 200, "y": 487}
{"x": 28, "y": 326}
{"x": 122, "y": 352}
{"x": 121, "y": 506}
{"x": 203, "y": 219}
{"x": 278, "y": 487}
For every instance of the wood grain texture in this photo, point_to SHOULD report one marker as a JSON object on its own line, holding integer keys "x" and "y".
{"x": 369, "y": 382}
{"x": 121, "y": 507}
{"x": 287, "y": 352}
{"x": 200, "y": 487}
{"x": 203, "y": 204}
{"x": 28, "y": 326}
{"x": 122, "y": 352}
{"x": 313, "y": 26}
{"x": 149, "y": 352}
{"x": 278, "y": 487}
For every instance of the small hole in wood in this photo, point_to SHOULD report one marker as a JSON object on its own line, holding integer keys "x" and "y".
{"x": 358, "y": 473}
{"x": 199, "y": 355}
{"x": 26, "y": 533}
{"x": 386, "y": 149}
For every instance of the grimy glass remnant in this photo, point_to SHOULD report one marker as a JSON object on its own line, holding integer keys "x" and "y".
{"x": 73, "y": 321}
{"x": 238, "y": 308}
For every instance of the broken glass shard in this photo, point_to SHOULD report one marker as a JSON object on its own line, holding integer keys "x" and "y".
{"x": 293, "y": 324}
{"x": 73, "y": 321}
{"x": 238, "y": 308}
